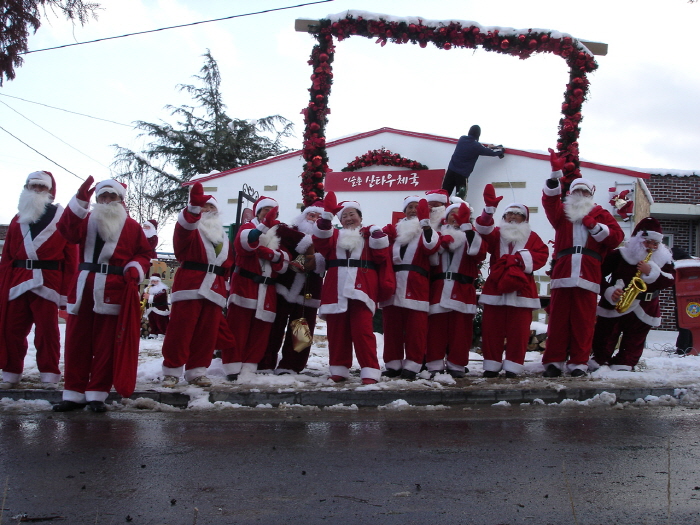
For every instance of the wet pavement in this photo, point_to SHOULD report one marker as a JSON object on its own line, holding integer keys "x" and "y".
{"x": 460, "y": 465}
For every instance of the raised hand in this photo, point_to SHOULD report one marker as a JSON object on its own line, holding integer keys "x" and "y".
{"x": 85, "y": 191}
{"x": 423, "y": 210}
{"x": 197, "y": 197}
{"x": 270, "y": 218}
{"x": 330, "y": 203}
{"x": 490, "y": 198}
{"x": 555, "y": 160}
{"x": 463, "y": 214}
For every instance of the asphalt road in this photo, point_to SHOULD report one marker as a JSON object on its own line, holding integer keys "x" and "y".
{"x": 491, "y": 465}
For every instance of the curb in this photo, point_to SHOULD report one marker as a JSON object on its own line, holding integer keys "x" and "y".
{"x": 370, "y": 398}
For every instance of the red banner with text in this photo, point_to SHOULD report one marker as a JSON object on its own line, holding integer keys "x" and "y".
{"x": 393, "y": 180}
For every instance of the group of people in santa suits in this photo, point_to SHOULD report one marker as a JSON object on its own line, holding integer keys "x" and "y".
{"x": 421, "y": 271}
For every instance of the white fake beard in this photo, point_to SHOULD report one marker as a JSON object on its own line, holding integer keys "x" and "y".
{"x": 210, "y": 227}
{"x": 577, "y": 207}
{"x": 407, "y": 230}
{"x": 32, "y": 205}
{"x": 436, "y": 216}
{"x": 110, "y": 218}
{"x": 349, "y": 240}
{"x": 458, "y": 235}
{"x": 157, "y": 288}
{"x": 150, "y": 232}
{"x": 306, "y": 227}
{"x": 634, "y": 251}
{"x": 515, "y": 232}
{"x": 270, "y": 239}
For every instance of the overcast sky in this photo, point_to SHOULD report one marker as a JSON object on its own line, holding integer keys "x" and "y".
{"x": 642, "y": 109}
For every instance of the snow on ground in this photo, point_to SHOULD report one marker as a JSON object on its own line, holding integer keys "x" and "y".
{"x": 659, "y": 367}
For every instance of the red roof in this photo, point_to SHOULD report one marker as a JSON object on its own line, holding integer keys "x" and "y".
{"x": 426, "y": 136}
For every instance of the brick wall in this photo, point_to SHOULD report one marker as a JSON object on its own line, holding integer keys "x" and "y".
{"x": 677, "y": 190}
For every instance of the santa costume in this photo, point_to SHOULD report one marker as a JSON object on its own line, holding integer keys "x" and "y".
{"x": 252, "y": 305}
{"x": 455, "y": 269}
{"x": 405, "y": 314}
{"x": 298, "y": 293}
{"x": 510, "y": 292}
{"x": 199, "y": 291}
{"x": 584, "y": 234}
{"x": 114, "y": 256}
{"x": 634, "y": 324}
{"x": 358, "y": 265}
{"x": 150, "y": 229}
{"x": 158, "y": 311}
{"x": 36, "y": 269}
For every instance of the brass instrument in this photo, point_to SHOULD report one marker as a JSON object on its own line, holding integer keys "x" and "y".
{"x": 633, "y": 289}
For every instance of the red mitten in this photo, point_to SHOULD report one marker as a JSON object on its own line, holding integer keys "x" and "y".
{"x": 612, "y": 190}
{"x": 446, "y": 240}
{"x": 132, "y": 274}
{"x": 197, "y": 197}
{"x": 330, "y": 203}
{"x": 556, "y": 161}
{"x": 423, "y": 211}
{"x": 378, "y": 234}
{"x": 589, "y": 222}
{"x": 463, "y": 214}
{"x": 490, "y": 198}
{"x": 263, "y": 252}
{"x": 85, "y": 192}
{"x": 270, "y": 219}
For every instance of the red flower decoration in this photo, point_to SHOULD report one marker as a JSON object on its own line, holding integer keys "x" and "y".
{"x": 383, "y": 157}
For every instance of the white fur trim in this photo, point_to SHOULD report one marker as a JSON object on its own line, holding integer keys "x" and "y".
{"x": 112, "y": 186}
{"x": 601, "y": 235}
{"x": 556, "y": 174}
{"x": 40, "y": 177}
{"x": 378, "y": 244}
{"x": 512, "y": 366}
{"x": 80, "y": 208}
{"x": 304, "y": 244}
{"x": 72, "y": 395}
{"x": 653, "y": 274}
{"x": 527, "y": 260}
{"x": 182, "y": 221}
{"x": 138, "y": 267}
{"x": 551, "y": 192}
{"x": 370, "y": 373}
{"x": 492, "y": 366}
{"x": 341, "y": 371}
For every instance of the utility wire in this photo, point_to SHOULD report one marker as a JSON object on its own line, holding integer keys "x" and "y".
{"x": 54, "y": 136}
{"x": 175, "y": 27}
{"x": 40, "y": 153}
{"x": 67, "y": 110}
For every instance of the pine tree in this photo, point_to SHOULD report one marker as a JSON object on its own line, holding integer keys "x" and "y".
{"x": 203, "y": 140}
{"x": 18, "y": 17}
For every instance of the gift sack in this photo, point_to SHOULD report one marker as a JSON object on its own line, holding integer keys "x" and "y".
{"x": 301, "y": 334}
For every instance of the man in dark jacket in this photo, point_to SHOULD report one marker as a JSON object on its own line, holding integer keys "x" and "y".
{"x": 464, "y": 159}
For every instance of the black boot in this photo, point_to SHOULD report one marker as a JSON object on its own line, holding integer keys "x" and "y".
{"x": 489, "y": 374}
{"x": 67, "y": 406}
{"x": 408, "y": 374}
{"x": 97, "y": 406}
{"x": 391, "y": 372}
{"x": 551, "y": 371}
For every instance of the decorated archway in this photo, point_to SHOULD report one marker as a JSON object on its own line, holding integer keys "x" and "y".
{"x": 444, "y": 35}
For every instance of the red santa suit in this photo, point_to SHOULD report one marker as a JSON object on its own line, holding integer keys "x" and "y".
{"x": 354, "y": 261}
{"x": 253, "y": 300}
{"x": 95, "y": 299}
{"x": 405, "y": 314}
{"x": 453, "y": 298}
{"x": 576, "y": 275}
{"x": 298, "y": 295}
{"x": 158, "y": 312}
{"x": 509, "y": 295}
{"x": 36, "y": 269}
{"x": 634, "y": 324}
{"x": 198, "y": 295}
{"x": 150, "y": 229}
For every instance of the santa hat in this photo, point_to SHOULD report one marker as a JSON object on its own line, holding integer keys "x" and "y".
{"x": 582, "y": 184}
{"x": 348, "y": 204}
{"x": 153, "y": 223}
{"x": 315, "y": 207}
{"x": 262, "y": 202}
{"x": 456, "y": 203}
{"x": 648, "y": 228}
{"x": 408, "y": 200}
{"x": 155, "y": 278}
{"x": 43, "y": 178}
{"x": 518, "y": 208}
{"x": 111, "y": 186}
{"x": 436, "y": 196}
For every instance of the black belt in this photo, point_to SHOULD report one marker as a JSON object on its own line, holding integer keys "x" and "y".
{"x": 454, "y": 276}
{"x": 29, "y": 264}
{"x": 203, "y": 267}
{"x": 259, "y": 279}
{"x": 411, "y": 268}
{"x": 579, "y": 249}
{"x": 353, "y": 263}
{"x": 101, "y": 268}
{"x": 648, "y": 296}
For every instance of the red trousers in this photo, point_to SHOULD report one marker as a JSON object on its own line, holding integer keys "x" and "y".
{"x": 281, "y": 329}
{"x": 250, "y": 333}
{"x": 450, "y": 335}
{"x": 158, "y": 323}
{"x": 405, "y": 330}
{"x": 352, "y": 328}
{"x": 572, "y": 313}
{"x": 607, "y": 331}
{"x": 191, "y": 335}
{"x": 505, "y": 322}
{"x": 21, "y": 313}
{"x": 89, "y": 354}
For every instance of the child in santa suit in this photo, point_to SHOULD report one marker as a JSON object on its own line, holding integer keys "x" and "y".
{"x": 452, "y": 293}
{"x": 36, "y": 270}
{"x": 644, "y": 313}
{"x": 158, "y": 311}
{"x": 405, "y": 314}
{"x": 355, "y": 257}
{"x": 252, "y": 304}
{"x": 510, "y": 293}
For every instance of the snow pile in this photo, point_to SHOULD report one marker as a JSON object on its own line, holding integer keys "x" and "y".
{"x": 602, "y": 399}
{"x": 24, "y": 406}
